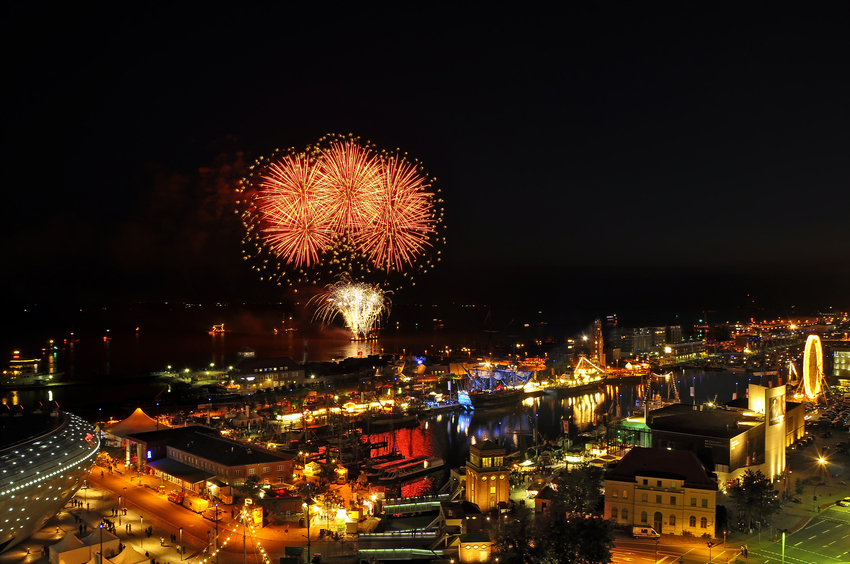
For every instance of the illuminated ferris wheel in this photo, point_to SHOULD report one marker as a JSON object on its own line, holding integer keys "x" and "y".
{"x": 813, "y": 376}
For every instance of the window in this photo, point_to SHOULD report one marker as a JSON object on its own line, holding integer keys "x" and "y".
{"x": 614, "y": 513}
{"x": 252, "y": 471}
{"x": 492, "y": 489}
{"x": 672, "y": 500}
{"x": 488, "y": 462}
{"x": 693, "y": 502}
{"x": 501, "y": 476}
{"x": 625, "y": 494}
{"x": 659, "y": 483}
{"x": 499, "y": 461}
{"x": 239, "y": 472}
{"x": 613, "y": 493}
{"x": 672, "y": 520}
{"x": 643, "y": 517}
{"x": 280, "y": 467}
{"x": 645, "y": 482}
{"x": 673, "y": 485}
{"x": 703, "y": 523}
{"x": 693, "y": 521}
{"x": 280, "y": 479}
{"x": 705, "y": 502}
{"x": 658, "y": 498}
{"x": 625, "y": 514}
{"x": 643, "y": 497}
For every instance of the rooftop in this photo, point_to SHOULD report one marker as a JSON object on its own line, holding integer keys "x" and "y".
{"x": 224, "y": 451}
{"x": 708, "y": 422}
{"x": 659, "y": 463}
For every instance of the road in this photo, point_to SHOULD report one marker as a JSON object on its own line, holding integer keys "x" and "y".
{"x": 641, "y": 551}
{"x": 824, "y": 540}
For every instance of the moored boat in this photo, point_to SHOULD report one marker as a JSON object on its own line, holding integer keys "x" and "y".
{"x": 412, "y": 470}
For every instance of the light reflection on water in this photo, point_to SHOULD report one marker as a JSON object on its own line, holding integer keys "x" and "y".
{"x": 449, "y": 435}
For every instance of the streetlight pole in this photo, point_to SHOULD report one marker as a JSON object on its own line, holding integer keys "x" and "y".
{"x": 142, "y": 531}
{"x": 181, "y": 544}
{"x": 101, "y": 544}
{"x": 216, "y": 533}
{"x": 783, "y": 547}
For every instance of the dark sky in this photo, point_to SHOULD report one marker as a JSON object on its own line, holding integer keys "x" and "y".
{"x": 607, "y": 158}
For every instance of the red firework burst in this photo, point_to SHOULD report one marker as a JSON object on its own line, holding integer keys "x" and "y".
{"x": 340, "y": 206}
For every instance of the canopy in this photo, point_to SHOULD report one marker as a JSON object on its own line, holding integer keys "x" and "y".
{"x": 129, "y": 556}
{"x": 70, "y": 549}
{"x": 110, "y": 542}
{"x": 138, "y": 422}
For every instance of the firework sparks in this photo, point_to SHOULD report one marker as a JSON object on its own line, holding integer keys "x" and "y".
{"x": 361, "y": 306}
{"x": 339, "y": 206}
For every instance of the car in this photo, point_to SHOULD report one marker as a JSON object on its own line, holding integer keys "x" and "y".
{"x": 843, "y": 502}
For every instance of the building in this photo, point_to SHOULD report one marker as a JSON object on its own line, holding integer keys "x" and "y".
{"x": 197, "y": 461}
{"x": 597, "y": 346}
{"x": 668, "y": 490}
{"x": 44, "y": 458}
{"x": 475, "y": 547}
{"x": 730, "y": 440}
{"x": 487, "y": 475}
{"x": 258, "y": 373}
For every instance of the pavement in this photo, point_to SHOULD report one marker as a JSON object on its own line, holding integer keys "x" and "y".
{"x": 148, "y": 507}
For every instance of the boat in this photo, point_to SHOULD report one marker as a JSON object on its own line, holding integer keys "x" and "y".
{"x": 412, "y": 470}
{"x": 483, "y": 399}
{"x": 389, "y": 419}
{"x": 493, "y": 386}
{"x": 431, "y": 407}
{"x": 23, "y": 373}
{"x": 378, "y": 470}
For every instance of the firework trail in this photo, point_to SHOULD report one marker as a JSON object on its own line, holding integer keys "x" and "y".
{"x": 361, "y": 305}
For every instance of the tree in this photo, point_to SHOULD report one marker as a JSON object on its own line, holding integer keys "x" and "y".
{"x": 514, "y": 540}
{"x": 563, "y": 537}
{"x": 555, "y": 536}
{"x": 250, "y": 487}
{"x": 579, "y": 489}
{"x": 755, "y": 497}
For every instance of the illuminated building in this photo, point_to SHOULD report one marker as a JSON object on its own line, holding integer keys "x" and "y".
{"x": 728, "y": 440}
{"x": 198, "y": 461}
{"x": 597, "y": 349}
{"x": 487, "y": 475}
{"x": 669, "y": 491}
{"x": 268, "y": 372}
{"x": 43, "y": 459}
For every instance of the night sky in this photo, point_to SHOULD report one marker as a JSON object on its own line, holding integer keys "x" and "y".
{"x": 594, "y": 160}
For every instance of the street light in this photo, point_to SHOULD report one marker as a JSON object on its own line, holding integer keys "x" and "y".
{"x": 101, "y": 543}
{"x": 142, "y": 531}
{"x": 181, "y": 544}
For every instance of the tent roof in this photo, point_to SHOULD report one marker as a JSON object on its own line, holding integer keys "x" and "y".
{"x": 68, "y": 542}
{"x": 128, "y": 556}
{"x": 138, "y": 422}
{"x": 94, "y": 537}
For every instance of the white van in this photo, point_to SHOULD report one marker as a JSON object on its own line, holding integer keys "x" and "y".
{"x": 644, "y": 533}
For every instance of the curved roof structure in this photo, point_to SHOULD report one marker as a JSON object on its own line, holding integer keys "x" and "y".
{"x": 137, "y": 422}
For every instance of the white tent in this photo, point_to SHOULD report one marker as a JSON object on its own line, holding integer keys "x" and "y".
{"x": 129, "y": 556}
{"x": 70, "y": 550}
{"x": 110, "y": 542}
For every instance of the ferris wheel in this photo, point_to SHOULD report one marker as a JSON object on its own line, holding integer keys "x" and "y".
{"x": 814, "y": 380}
